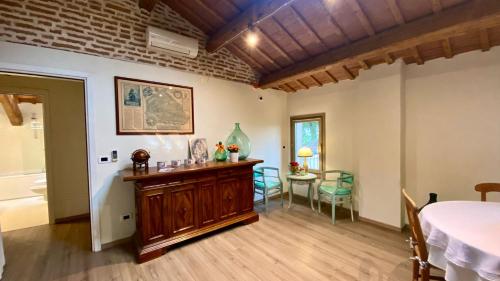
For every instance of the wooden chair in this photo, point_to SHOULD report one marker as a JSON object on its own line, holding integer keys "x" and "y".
{"x": 339, "y": 188}
{"x": 421, "y": 266}
{"x": 267, "y": 181}
{"x": 487, "y": 187}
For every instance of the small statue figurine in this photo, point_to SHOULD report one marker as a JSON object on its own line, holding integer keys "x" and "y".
{"x": 220, "y": 153}
{"x": 140, "y": 158}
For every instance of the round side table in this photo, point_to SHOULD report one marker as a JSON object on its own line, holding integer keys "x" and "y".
{"x": 308, "y": 179}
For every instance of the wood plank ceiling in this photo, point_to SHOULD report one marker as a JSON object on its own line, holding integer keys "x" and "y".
{"x": 307, "y": 43}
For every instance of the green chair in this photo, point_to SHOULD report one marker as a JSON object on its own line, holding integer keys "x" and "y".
{"x": 267, "y": 181}
{"x": 338, "y": 190}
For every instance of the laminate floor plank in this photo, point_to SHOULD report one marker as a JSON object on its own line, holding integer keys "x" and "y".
{"x": 285, "y": 244}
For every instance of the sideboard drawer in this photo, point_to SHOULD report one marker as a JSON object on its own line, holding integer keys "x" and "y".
{"x": 233, "y": 172}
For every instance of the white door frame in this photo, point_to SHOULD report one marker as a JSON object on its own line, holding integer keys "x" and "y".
{"x": 89, "y": 120}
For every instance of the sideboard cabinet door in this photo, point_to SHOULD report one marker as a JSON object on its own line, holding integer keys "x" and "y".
{"x": 229, "y": 196}
{"x": 208, "y": 203}
{"x": 153, "y": 215}
{"x": 183, "y": 208}
{"x": 246, "y": 193}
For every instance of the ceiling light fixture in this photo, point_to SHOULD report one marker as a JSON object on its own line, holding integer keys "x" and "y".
{"x": 252, "y": 39}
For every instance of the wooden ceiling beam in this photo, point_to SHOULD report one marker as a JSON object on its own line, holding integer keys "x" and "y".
{"x": 364, "y": 65}
{"x": 332, "y": 77}
{"x": 286, "y": 88}
{"x": 462, "y": 18}
{"x": 11, "y": 107}
{"x": 308, "y": 27}
{"x": 252, "y": 16}
{"x": 304, "y": 86}
{"x": 249, "y": 59}
{"x": 436, "y": 6}
{"x": 212, "y": 13}
{"x": 396, "y": 12}
{"x": 290, "y": 36}
{"x": 233, "y": 6}
{"x": 416, "y": 55}
{"x": 388, "y": 58}
{"x": 275, "y": 45}
{"x": 365, "y": 22}
{"x": 448, "y": 51}
{"x": 190, "y": 15}
{"x": 270, "y": 60}
{"x": 348, "y": 72}
{"x": 484, "y": 39}
{"x": 290, "y": 87}
{"x": 336, "y": 27}
{"x": 28, "y": 99}
{"x": 316, "y": 81}
{"x": 149, "y": 5}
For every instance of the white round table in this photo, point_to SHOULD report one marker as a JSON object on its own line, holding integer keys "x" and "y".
{"x": 463, "y": 238}
{"x": 309, "y": 179}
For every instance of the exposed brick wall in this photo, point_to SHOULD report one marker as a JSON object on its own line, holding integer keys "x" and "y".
{"x": 113, "y": 29}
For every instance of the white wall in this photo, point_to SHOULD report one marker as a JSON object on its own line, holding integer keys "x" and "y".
{"x": 338, "y": 103}
{"x": 453, "y": 126}
{"x": 217, "y": 105}
{"x": 22, "y": 152}
{"x": 430, "y": 128}
{"x": 363, "y": 130}
{"x": 377, "y": 142}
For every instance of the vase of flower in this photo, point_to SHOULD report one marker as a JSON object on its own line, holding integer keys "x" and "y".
{"x": 220, "y": 153}
{"x": 233, "y": 152}
{"x": 241, "y": 139}
{"x": 294, "y": 167}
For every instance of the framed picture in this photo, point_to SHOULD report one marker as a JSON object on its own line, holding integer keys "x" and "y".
{"x": 151, "y": 108}
{"x": 198, "y": 150}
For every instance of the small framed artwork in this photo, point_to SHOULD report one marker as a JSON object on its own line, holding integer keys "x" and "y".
{"x": 198, "y": 150}
{"x": 150, "y": 108}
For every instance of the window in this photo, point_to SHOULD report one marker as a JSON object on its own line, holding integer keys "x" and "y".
{"x": 308, "y": 131}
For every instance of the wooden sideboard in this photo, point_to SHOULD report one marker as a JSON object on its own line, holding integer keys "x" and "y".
{"x": 174, "y": 206}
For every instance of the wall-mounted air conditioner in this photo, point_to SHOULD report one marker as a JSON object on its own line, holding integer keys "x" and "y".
{"x": 160, "y": 40}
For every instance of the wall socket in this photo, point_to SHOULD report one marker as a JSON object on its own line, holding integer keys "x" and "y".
{"x": 104, "y": 159}
{"x": 126, "y": 217}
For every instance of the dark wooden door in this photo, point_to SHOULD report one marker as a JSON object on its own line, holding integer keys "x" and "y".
{"x": 153, "y": 215}
{"x": 183, "y": 208}
{"x": 207, "y": 202}
{"x": 246, "y": 193}
{"x": 229, "y": 196}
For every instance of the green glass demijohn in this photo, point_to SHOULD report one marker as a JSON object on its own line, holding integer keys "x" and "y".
{"x": 239, "y": 138}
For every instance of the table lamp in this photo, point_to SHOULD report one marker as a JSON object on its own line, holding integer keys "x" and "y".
{"x": 305, "y": 152}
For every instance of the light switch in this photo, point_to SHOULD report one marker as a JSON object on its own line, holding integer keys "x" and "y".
{"x": 114, "y": 155}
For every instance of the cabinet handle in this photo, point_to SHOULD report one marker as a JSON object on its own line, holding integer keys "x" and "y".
{"x": 185, "y": 209}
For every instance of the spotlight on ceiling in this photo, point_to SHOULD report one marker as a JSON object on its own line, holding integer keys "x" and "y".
{"x": 329, "y": 3}
{"x": 252, "y": 39}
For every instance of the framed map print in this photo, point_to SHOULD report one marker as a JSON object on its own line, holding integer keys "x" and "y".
{"x": 150, "y": 108}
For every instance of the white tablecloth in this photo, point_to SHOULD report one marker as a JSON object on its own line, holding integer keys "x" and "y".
{"x": 463, "y": 238}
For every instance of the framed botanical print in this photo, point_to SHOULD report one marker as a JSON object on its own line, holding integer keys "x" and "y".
{"x": 150, "y": 108}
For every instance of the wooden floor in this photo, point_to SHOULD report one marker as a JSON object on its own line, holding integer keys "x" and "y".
{"x": 293, "y": 244}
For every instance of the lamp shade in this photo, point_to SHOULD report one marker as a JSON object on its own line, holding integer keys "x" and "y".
{"x": 305, "y": 152}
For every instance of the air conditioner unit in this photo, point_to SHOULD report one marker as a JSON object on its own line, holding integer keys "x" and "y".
{"x": 160, "y": 40}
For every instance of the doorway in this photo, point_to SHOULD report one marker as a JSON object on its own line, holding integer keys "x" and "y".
{"x": 23, "y": 185}
{"x": 56, "y": 119}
